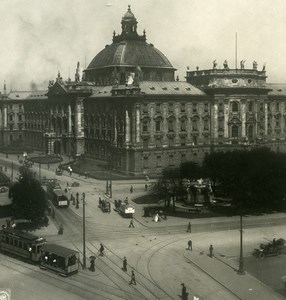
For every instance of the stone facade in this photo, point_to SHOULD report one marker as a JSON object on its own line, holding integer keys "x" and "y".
{"x": 133, "y": 114}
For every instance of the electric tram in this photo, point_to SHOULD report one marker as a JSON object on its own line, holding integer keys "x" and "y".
{"x": 62, "y": 260}
{"x": 34, "y": 249}
{"x": 24, "y": 245}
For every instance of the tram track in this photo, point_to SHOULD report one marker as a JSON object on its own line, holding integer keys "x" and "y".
{"x": 127, "y": 294}
{"x": 52, "y": 279}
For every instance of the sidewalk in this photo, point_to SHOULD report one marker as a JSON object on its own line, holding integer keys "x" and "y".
{"x": 224, "y": 272}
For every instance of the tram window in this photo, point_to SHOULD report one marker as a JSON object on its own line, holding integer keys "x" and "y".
{"x": 25, "y": 246}
{"x": 61, "y": 262}
{"x": 11, "y": 242}
{"x": 39, "y": 247}
{"x": 20, "y": 244}
{"x": 34, "y": 249}
{"x": 72, "y": 260}
{"x": 7, "y": 240}
{"x": 16, "y": 243}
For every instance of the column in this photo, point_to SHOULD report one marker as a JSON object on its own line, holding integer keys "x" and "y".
{"x": 165, "y": 127}
{"x": 127, "y": 128}
{"x": 79, "y": 118}
{"x": 226, "y": 106}
{"x": 69, "y": 120}
{"x": 215, "y": 121}
{"x": 189, "y": 126}
{"x": 243, "y": 120}
{"x": 177, "y": 126}
{"x": 266, "y": 119}
{"x": 138, "y": 123}
{"x": 115, "y": 128}
{"x": 152, "y": 127}
{"x": 5, "y": 116}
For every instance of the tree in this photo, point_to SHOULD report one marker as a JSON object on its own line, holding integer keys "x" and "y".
{"x": 28, "y": 198}
{"x": 255, "y": 180}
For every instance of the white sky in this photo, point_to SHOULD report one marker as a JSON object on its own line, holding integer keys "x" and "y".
{"x": 40, "y": 37}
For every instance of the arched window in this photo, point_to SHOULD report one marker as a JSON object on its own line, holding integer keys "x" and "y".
{"x": 234, "y": 107}
{"x": 234, "y": 131}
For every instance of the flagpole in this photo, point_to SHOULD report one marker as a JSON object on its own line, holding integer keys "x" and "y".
{"x": 236, "y": 50}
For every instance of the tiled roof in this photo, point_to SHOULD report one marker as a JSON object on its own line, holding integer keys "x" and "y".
{"x": 130, "y": 53}
{"x": 23, "y": 95}
{"x": 169, "y": 88}
{"x": 278, "y": 89}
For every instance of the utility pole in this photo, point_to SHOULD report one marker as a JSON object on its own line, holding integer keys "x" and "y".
{"x": 12, "y": 172}
{"x": 241, "y": 268}
{"x": 83, "y": 214}
{"x": 40, "y": 172}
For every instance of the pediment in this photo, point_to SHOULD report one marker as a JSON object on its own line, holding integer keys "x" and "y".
{"x": 57, "y": 89}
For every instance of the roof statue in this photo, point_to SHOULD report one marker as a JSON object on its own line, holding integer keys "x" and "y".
{"x": 214, "y": 64}
{"x": 242, "y": 64}
{"x": 255, "y": 64}
{"x": 225, "y": 64}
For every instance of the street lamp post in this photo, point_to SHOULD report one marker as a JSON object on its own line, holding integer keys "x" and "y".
{"x": 39, "y": 172}
{"x": 241, "y": 267}
{"x": 84, "y": 254}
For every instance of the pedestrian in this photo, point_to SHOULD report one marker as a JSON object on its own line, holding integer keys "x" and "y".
{"x": 92, "y": 267}
{"x": 131, "y": 223}
{"x": 211, "y": 250}
{"x": 132, "y": 281}
{"x": 146, "y": 187}
{"x": 184, "y": 292}
{"x": 77, "y": 203}
{"x": 48, "y": 166}
{"x": 190, "y": 245}
{"x": 101, "y": 250}
{"x": 131, "y": 189}
{"x": 189, "y": 229}
{"x": 124, "y": 264}
{"x": 61, "y": 229}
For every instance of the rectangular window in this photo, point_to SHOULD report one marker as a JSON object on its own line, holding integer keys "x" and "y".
{"x": 158, "y": 161}
{"x": 20, "y": 117}
{"x": 220, "y": 125}
{"x": 171, "y": 107}
{"x": 145, "y": 162}
{"x": 171, "y": 160}
{"x": 11, "y": 118}
{"x": 171, "y": 142}
{"x": 194, "y": 107}
{"x": 183, "y": 125}
{"x": 277, "y": 106}
{"x": 183, "y": 141}
{"x": 183, "y": 157}
{"x": 183, "y": 107}
{"x": 220, "y": 107}
{"x": 206, "y": 107}
{"x": 158, "y": 108}
{"x": 261, "y": 108}
{"x": 145, "y": 126}
{"x": 145, "y": 108}
{"x": 158, "y": 125}
{"x": 171, "y": 126}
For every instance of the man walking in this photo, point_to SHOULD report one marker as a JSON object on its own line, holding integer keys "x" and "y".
{"x": 184, "y": 292}
{"x": 189, "y": 229}
{"x": 190, "y": 245}
{"x": 132, "y": 281}
{"x": 124, "y": 264}
{"x": 131, "y": 189}
{"x": 131, "y": 223}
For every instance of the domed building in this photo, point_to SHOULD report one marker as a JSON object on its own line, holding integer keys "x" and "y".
{"x": 129, "y": 110}
{"x": 127, "y": 56}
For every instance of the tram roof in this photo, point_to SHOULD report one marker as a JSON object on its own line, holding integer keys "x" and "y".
{"x": 21, "y": 234}
{"x": 59, "y": 250}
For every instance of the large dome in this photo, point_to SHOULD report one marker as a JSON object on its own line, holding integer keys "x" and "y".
{"x": 130, "y": 53}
